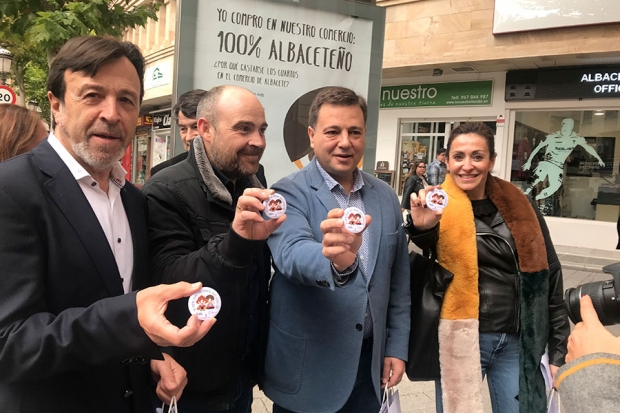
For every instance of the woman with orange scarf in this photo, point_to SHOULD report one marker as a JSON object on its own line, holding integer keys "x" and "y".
{"x": 505, "y": 305}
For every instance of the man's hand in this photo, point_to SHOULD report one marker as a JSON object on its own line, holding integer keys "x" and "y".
{"x": 526, "y": 166}
{"x": 170, "y": 376}
{"x": 340, "y": 245}
{"x": 152, "y": 303}
{"x": 393, "y": 370}
{"x": 248, "y": 222}
{"x": 424, "y": 218}
{"x": 590, "y": 336}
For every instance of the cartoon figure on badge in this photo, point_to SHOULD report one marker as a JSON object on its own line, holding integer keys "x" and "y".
{"x": 275, "y": 206}
{"x": 351, "y": 219}
{"x": 354, "y": 219}
{"x": 201, "y": 303}
{"x": 210, "y": 302}
{"x": 205, "y": 303}
{"x": 436, "y": 199}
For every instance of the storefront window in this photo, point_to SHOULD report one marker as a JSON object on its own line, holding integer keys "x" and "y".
{"x": 160, "y": 150}
{"x": 568, "y": 162}
{"x": 141, "y": 158}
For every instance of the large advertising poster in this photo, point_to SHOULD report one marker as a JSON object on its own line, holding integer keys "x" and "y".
{"x": 284, "y": 53}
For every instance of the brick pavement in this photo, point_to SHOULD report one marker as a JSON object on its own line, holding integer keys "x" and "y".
{"x": 419, "y": 397}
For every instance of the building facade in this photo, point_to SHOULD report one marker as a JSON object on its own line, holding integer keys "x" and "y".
{"x": 442, "y": 65}
{"x": 553, "y": 102}
{"x": 152, "y": 143}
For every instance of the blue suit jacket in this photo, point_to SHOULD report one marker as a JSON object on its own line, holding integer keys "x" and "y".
{"x": 315, "y": 337}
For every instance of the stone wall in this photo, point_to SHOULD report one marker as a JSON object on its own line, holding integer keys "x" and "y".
{"x": 429, "y": 32}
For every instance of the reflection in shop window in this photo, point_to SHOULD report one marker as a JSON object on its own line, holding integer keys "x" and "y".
{"x": 567, "y": 162}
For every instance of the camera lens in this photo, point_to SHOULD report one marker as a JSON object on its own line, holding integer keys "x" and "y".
{"x": 604, "y": 299}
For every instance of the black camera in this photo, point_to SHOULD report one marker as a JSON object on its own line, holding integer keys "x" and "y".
{"x": 605, "y": 297}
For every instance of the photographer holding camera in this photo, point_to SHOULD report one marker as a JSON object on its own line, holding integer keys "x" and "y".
{"x": 590, "y": 379}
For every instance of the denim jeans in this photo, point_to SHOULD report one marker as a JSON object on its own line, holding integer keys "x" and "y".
{"x": 499, "y": 359}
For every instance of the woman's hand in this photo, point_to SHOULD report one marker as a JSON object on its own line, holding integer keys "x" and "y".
{"x": 423, "y": 217}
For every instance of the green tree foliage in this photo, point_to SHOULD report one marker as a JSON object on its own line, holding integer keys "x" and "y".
{"x": 35, "y": 78}
{"x": 34, "y": 31}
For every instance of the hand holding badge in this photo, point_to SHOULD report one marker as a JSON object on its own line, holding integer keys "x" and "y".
{"x": 427, "y": 207}
{"x": 258, "y": 213}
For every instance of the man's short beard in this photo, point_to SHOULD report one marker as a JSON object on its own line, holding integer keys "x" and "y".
{"x": 233, "y": 170}
{"x": 98, "y": 161}
{"x": 230, "y": 165}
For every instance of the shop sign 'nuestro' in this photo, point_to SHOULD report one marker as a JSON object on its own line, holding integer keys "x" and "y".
{"x": 275, "y": 206}
{"x": 354, "y": 219}
{"x": 205, "y": 303}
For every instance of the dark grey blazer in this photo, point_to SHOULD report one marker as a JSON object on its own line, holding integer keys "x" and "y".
{"x": 69, "y": 337}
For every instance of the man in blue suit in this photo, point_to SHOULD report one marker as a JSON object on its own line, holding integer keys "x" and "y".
{"x": 339, "y": 300}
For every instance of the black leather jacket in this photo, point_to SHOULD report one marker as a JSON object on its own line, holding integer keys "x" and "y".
{"x": 498, "y": 277}
{"x": 498, "y": 282}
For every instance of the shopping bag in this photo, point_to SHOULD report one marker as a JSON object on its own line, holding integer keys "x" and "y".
{"x": 391, "y": 401}
{"x": 171, "y": 409}
{"x": 553, "y": 397}
{"x": 553, "y": 401}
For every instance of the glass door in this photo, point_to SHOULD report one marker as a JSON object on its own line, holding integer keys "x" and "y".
{"x": 419, "y": 142}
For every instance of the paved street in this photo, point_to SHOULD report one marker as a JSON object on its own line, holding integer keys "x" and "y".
{"x": 419, "y": 397}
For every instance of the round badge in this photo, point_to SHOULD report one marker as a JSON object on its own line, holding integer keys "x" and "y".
{"x": 275, "y": 206}
{"x": 354, "y": 219}
{"x": 436, "y": 199}
{"x": 205, "y": 303}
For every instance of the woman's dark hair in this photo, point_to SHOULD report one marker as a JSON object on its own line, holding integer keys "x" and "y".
{"x": 477, "y": 128}
{"x": 86, "y": 55}
{"x": 415, "y": 168}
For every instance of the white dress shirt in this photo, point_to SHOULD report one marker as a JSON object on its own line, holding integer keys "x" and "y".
{"x": 107, "y": 207}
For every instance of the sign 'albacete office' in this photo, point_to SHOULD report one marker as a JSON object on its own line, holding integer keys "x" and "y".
{"x": 563, "y": 83}
{"x": 600, "y": 80}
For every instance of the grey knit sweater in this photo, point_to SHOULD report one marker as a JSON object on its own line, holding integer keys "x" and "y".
{"x": 590, "y": 384}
